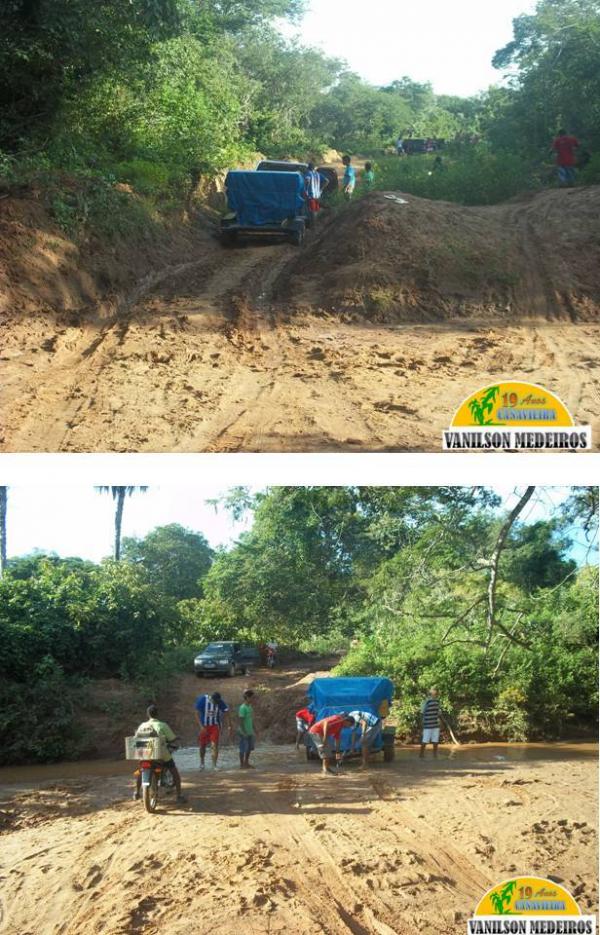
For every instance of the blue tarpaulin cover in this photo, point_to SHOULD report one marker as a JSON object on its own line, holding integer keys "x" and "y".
{"x": 329, "y": 696}
{"x": 262, "y": 198}
{"x": 351, "y": 692}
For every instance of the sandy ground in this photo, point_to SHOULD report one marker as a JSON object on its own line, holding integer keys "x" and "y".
{"x": 405, "y": 847}
{"x": 208, "y": 358}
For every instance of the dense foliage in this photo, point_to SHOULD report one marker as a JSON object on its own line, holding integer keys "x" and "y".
{"x": 397, "y": 577}
{"x": 154, "y": 93}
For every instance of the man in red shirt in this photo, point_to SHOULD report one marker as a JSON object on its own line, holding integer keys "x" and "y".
{"x": 304, "y": 719}
{"x": 564, "y": 146}
{"x": 325, "y": 730}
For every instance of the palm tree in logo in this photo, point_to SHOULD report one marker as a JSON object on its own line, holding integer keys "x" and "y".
{"x": 482, "y": 406}
{"x": 504, "y": 896}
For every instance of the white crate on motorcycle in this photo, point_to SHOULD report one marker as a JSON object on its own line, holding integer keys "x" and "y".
{"x": 146, "y": 748}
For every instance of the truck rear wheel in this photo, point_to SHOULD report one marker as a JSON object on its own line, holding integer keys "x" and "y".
{"x": 228, "y": 238}
{"x": 389, "y": 753}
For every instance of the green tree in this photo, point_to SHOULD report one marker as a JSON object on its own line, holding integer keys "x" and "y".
{"x": 176, "y": 559}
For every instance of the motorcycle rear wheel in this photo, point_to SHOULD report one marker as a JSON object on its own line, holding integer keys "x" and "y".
{"x": 151, "y": 795}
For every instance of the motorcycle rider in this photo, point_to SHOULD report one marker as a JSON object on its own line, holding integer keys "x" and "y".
{"x": 153, "y": 727}
{"x": 271, "y": 653}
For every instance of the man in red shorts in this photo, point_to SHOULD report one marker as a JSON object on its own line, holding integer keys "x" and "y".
{"x": 564, "y": 146}
{"x": 211, "y": 713}
{"x": 326, "y": 730}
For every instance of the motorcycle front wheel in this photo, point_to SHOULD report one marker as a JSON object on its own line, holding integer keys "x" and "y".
{"x": 151, "y": 794}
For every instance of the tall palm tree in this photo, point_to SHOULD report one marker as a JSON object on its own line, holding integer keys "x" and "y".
{"x": 3, "y": 508}
{"x": 118, "y": 494}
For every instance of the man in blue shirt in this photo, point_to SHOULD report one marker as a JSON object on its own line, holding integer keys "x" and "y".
{"x": 211, "y": 713}
{"x": 370, "y": 726}
{"x": 349, "y": 179}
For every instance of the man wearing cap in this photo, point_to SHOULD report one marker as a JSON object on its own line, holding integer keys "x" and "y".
{"x": 211, "y": 713}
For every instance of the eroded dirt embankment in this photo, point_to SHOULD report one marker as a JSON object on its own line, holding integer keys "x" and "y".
{"x": 367, "y": 340}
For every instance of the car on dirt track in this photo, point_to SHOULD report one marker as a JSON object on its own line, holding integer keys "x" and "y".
{"x": 281, "y": 165}
{"x": 329, "y": 696}
{"x": 264, "y": 203}
{"x": 226, "y": 658}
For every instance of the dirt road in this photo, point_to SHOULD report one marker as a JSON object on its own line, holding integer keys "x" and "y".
{"x": 407, "y": 847}
{"x": 217, "y": 355}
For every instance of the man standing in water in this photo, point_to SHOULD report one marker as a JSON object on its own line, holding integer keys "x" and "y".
{"x": 431, "y": 715}
{"x": 326, "y": 730}
{"x": 246, "y": 729}
{"x": 211, "y": 714}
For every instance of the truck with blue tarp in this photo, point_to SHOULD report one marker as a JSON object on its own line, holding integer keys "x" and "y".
{"x": 341, "y": 695}
{"x": 264, "y": 203}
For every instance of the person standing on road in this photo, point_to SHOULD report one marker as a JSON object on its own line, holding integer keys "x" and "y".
{"x": 370, "y": 727}
{"x": 305, "y": 718}
{"x": 349, "y": 179}
{"x": 368, "y": 176}
{"x": 326, "y": 730}
{"x": 400, "y": 146}
{"x": 153, "y": 727}
{"x": 564, "y": 145}
{"x": 431, "y": 715}
{"x": 314, "y": 186}
{"x": 246, "y": 729}
{"x": 211, "y": 713}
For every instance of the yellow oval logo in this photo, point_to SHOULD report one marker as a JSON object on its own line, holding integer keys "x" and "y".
{"x": 528, "y": 896}
{"x": 512, "y": 404}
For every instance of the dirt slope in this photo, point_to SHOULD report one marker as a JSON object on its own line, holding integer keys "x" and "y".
{"x": 401, "y": 849}
{"x": 430, "y": 260}
{"x": 366, "y": 341}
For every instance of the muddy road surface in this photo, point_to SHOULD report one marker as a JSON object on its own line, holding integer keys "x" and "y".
{"x": 405, "y": 847}
{"x": 235, "y": 351}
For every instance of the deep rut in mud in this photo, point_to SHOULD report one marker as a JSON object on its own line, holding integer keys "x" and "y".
{"x": 227, "y": 354}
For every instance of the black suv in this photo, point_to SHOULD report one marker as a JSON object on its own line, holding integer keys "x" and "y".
{"x": 226, "y": 658}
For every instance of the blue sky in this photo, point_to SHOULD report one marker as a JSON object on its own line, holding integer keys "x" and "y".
{"x": 449, "y": 44}
{"x": 75, "y": 520}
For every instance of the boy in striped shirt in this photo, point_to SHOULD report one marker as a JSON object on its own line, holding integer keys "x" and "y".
{"x": 431, "y": 716}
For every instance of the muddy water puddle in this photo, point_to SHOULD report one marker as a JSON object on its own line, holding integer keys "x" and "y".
{"x": 284, "y": 757}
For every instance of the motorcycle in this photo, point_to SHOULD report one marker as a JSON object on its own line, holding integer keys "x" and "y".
{"x": 155, "y": 775}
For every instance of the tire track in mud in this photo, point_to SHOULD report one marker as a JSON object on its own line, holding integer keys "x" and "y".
{"x": 67, "y": 387}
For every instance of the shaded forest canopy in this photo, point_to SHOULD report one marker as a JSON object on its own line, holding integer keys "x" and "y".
{"x": 425, "y": 585}
{"x": 156, "y": 92}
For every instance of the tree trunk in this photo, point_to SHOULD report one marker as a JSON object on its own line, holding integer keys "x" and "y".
{"x": 118, "y": 522}
{"x": 495, "y": 561}
{"x": 3, "y": 507}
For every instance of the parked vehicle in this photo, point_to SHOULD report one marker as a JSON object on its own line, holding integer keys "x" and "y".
{"x": 226, "y": 658}
{"x": 264, "y": 203}
{"x": 152, "y": 754}
{"x": 280, "y": 165}
{"x": 329, "y": 696}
